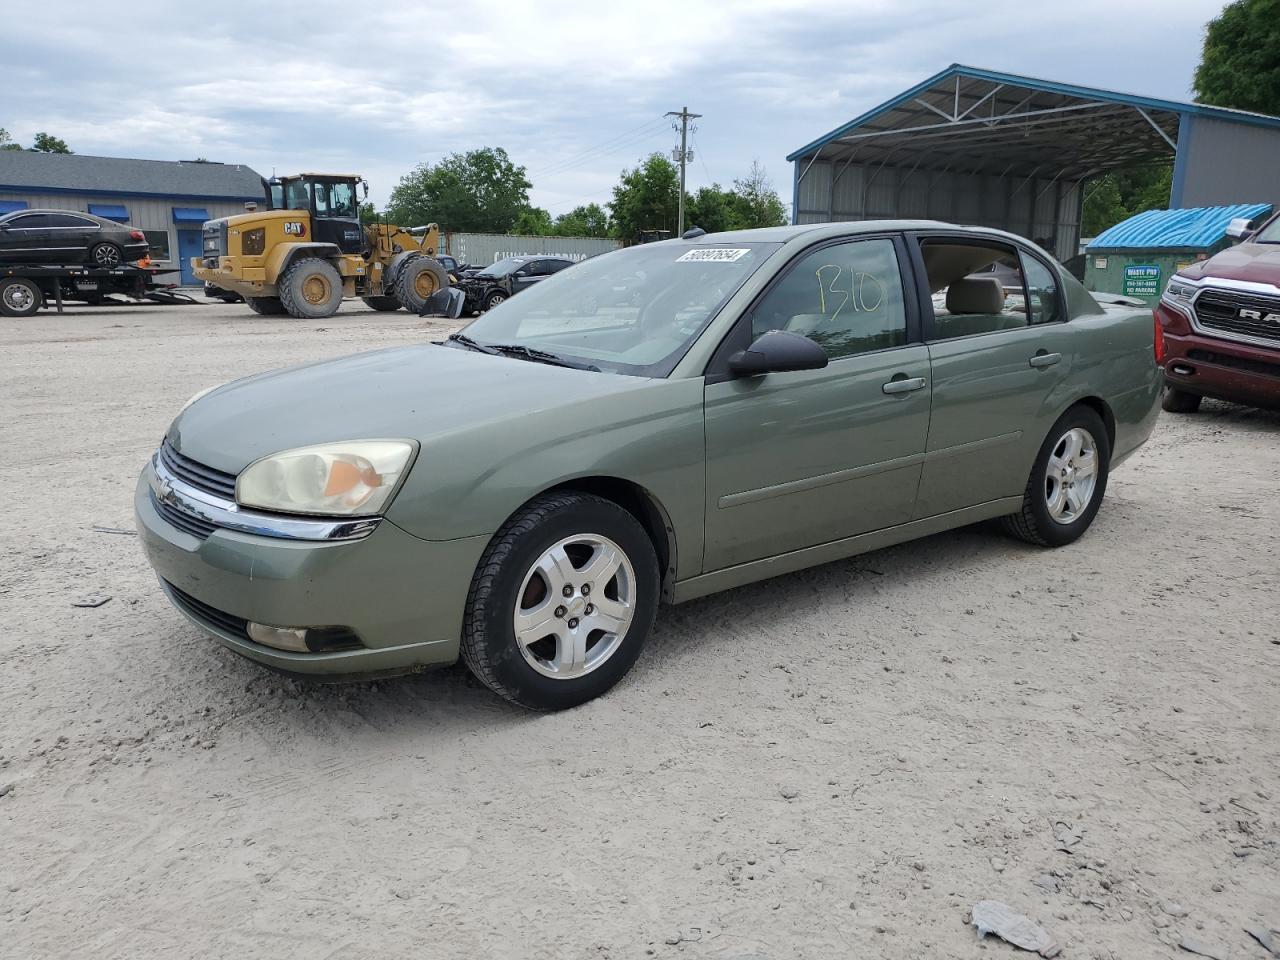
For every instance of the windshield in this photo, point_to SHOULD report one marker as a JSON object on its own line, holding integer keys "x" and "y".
{"x": 635, "y": 311}
{"x": 1270, "y": 233}
{"x": 502, "y": 267}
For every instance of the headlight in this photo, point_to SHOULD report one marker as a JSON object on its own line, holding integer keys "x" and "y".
{"x": 253, "y": 242}
{"x": 344, "y": 479}
{"x": 1182, "y": 292}
{"x": 197, "y": 396}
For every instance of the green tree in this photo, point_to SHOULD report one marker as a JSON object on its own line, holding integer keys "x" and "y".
{"x": 533, "y": 222}
{"x": 480, "y": 190}
{"x": 1240, "y": 61}
{"x": 6, "y": 141}
{"x": 587, "y": 221}
{"x": 368, "y": 213}
{"x": 45, "y": 143}
{"x": 710, "y": 208}
{"x": 755, "y": 202}
{"x": 1119, "y": 195}
{"x": 646, "y": 198}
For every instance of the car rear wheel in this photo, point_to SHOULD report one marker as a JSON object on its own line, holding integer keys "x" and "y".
{"x": 562, "y": 602}
{"x": 311, "y": 289}
{"x": 106, "y": 255}
{"x": 1067, "y": 482}
{"x": 493, "y": 299}
{"x": 1179, "y": 401}
{"x": 19, "y": 297}
{"x": 266, "y": 306}
{"x": 382, "y": 304}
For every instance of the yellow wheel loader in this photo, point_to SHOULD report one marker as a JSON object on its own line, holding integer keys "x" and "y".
{"x": 308, "y": 250}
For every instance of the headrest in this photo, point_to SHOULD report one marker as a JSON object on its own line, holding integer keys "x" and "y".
{"x": 975, "y": 295}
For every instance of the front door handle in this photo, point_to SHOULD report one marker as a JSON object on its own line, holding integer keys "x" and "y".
{"x": 1045, "y": 359}
{"x": 905, "y": 385}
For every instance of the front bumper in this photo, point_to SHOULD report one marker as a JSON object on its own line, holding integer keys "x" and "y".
{"x": 402, "y": 596}
{"x": 1224, "y": 369}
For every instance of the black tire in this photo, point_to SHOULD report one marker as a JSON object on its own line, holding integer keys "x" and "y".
{"x": 489, "y": 645}
{"x": 382, "y": 304}
{"x": 266, "y": 306}
{"x": 417, "y": 279}
{"x": 108, "y": 256}
{"x": 20, "y": 297}
{"x": 1034, "y": 523}
{"x": 311, "y": 289}
{"x": 493, "y": 298}
{"x": 1180, "y": 401}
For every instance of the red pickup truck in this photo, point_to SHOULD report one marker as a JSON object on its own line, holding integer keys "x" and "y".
{"x": 1221, "y": 324}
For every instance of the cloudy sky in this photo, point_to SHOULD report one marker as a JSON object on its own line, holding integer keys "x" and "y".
{"x": 574, "y": 91}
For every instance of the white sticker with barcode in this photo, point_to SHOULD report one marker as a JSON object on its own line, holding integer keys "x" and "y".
{"x": 712, "y": 255}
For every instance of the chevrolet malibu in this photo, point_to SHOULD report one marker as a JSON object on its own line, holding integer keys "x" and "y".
{"x": 655, "y": 424}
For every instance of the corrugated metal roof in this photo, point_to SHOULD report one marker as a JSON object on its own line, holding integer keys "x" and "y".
{"x": 1191, "y": 229}
{"x": 118, "y": 176}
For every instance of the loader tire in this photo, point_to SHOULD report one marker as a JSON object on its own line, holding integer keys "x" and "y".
{"x": 382, "y": 304}
{"x": 311, "y": 289}
{"x": 417, "y": 280}
{"x": 266, "y": 306}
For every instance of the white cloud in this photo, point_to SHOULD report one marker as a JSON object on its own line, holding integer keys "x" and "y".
{"x": 573, "y": 90}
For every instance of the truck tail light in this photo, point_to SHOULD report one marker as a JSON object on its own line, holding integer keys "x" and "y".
{"x": 1158, "y": 345}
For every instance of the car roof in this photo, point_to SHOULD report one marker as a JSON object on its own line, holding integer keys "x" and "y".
{"x": 843, "y": 228}
{"x": 73, "y": 213}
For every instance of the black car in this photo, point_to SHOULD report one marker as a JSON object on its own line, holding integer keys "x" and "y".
{"x": 492, "y": 285}
{"x": 66, "y": 237}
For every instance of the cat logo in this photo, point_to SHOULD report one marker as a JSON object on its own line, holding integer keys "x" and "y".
{"x": 295, "y": 228}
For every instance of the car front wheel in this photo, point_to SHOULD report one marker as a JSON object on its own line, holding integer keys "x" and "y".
{"x": 494, "y": 299}
{"x": 1067, "y": 482}
{"x": 1179, "y": 401}
{"x": 562, "y": 602}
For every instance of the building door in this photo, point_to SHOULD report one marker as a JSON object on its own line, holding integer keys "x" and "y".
{"x": 188, "y": 247}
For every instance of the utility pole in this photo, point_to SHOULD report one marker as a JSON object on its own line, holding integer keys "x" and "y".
{"x": 682, "y": 155}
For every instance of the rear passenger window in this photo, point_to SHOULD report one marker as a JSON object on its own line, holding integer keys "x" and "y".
{"x": 847, "y": 298}
{"x": 1043, "y": 289}
{"x": 976, "y": 289}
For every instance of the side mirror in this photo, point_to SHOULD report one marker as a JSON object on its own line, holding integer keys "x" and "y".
{"x": 444, "y": 303}
{"x": 1238, "y": 229}
{"x": 777, "y": 351}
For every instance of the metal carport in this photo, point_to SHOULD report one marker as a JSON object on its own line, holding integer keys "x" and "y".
{"x": 979, "y": 147}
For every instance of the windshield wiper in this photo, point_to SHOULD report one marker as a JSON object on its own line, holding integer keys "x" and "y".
{"x": 470, "y": 344}
{"x": 540, "y": 356}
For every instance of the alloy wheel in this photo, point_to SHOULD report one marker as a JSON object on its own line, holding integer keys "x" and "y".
{"x": 105, "y": 255}
{"x": 1071, "y": 475}
{"x": 575, "y": 606}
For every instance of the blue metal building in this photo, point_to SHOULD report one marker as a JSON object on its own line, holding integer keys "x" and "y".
{"x": 1013, "y": 152}
{"x": 169, "y": 201}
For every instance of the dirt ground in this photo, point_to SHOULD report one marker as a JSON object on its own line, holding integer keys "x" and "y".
{"x": 837, "y": 763}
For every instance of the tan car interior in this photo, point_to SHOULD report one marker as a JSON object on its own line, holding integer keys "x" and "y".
{"x": 972, "y": 303}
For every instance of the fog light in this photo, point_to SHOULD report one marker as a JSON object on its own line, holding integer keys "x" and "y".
{"x": 282, "y": 638}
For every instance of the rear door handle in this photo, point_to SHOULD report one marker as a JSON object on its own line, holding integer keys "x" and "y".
{"x": 1045, "y": 359}
{"x": 904, "y": 385}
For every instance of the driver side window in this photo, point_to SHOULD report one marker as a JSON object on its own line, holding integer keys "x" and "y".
{"x": 847, "y": 298}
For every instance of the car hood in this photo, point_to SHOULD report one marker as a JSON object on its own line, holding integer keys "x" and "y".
{"x": 417, "y": 392}
{"x": 1256, "y": 262}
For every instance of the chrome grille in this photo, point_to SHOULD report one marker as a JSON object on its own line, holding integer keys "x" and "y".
{"x": 197, "y": 527}
{"x": 1220, "y": 311}
{"x": 197, "y": 474}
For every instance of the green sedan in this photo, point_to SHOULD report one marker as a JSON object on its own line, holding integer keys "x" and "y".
{"x": 654, "y": 424}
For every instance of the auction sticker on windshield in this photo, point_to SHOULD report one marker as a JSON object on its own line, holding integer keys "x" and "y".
{"x": 712, "y": 255}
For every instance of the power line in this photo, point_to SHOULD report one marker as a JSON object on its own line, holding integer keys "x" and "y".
{"x": 612, "y": 144}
